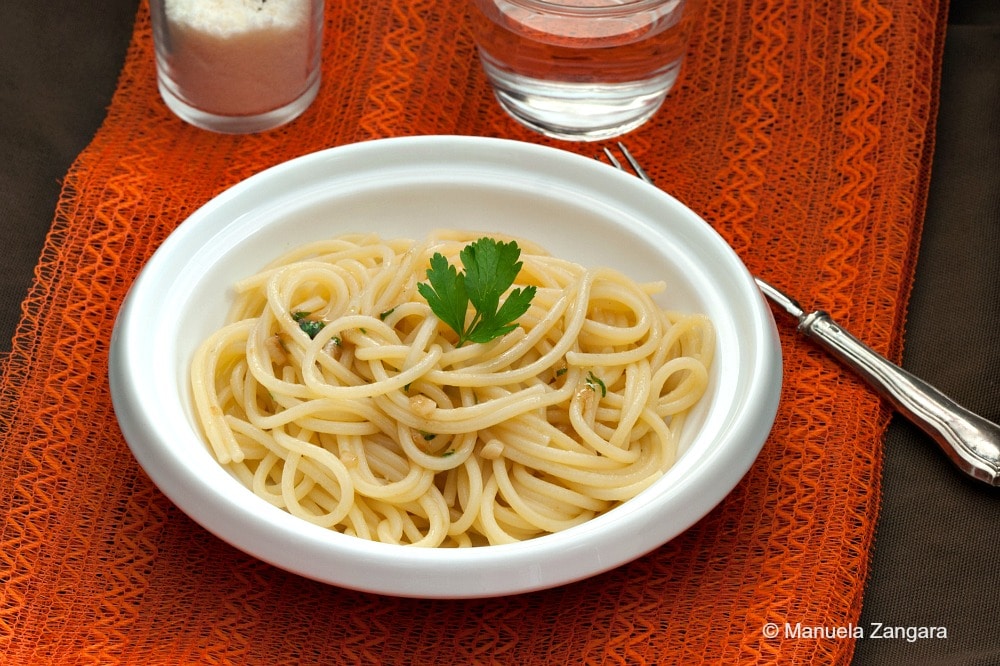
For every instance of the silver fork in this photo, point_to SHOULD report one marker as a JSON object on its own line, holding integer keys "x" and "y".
{"x": 969, "y": 441}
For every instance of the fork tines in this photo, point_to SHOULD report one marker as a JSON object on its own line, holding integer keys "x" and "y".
{"x": 632, "y": 162}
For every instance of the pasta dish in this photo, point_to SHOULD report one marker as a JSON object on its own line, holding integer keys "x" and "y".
{"x": 452, "y": 391}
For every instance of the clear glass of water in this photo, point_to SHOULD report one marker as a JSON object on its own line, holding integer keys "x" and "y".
{"x": 583, "y": 70}
{"x": 237, "y": 66}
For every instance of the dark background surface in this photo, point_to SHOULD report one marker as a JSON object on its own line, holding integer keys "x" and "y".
{"x": 936, "y": 560}
{"x": 937, "y": 549}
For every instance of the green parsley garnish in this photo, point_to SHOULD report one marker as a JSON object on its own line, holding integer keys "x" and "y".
{"x": 490, "y": 269}
{"x": 311, "y": 327}
{"x": 595, "y": 383}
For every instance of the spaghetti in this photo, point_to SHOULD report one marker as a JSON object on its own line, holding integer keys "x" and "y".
{"x": 336, "y": 394}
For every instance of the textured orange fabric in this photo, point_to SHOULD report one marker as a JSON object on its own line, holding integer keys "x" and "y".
{"x": 802, "y": 130}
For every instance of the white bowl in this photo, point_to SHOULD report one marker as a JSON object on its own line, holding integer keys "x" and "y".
{"x": 575, "y": 207}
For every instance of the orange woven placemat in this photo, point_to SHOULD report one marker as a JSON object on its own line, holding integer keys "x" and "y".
{"x": 801, "y": 130}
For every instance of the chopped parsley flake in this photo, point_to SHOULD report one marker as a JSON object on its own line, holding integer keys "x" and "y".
{"x": 594, "y": 382}
{"x": 310, "y": 327}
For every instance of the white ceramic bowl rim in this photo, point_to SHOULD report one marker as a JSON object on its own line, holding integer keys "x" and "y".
{"x": 561, "y": 200}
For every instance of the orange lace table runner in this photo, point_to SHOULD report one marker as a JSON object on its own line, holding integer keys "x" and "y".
{"x": 801, "y": 130}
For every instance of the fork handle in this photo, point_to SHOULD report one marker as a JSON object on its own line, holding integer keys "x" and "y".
{"x": 970, "y": 441}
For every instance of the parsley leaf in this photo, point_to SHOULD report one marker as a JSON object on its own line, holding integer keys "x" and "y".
{"x": 446, "y": 293}
{"x": 490, "y": 270}
{"x": 310, "y": 327}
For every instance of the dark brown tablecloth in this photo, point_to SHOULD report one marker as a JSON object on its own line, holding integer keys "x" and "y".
{"x": 937, "y": 546}
{"x": 936, "y": 560}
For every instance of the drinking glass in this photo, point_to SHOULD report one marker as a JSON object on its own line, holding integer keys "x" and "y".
{"x": 237, "y": 66}
{"x": 582, "y": 70}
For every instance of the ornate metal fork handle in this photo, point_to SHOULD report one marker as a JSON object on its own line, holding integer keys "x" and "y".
{"x": 971, "y": 442}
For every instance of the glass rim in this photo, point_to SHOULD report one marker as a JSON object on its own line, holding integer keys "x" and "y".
{"x": 592, "y": 7}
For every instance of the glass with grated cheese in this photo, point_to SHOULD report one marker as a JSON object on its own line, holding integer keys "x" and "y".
{"x": 237, "y": 66}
